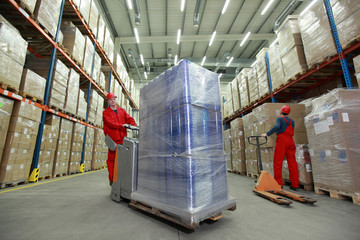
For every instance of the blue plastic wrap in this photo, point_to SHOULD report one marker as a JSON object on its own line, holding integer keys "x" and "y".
{"x": 181, "y": 168}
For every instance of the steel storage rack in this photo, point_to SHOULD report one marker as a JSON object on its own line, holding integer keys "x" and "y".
{"x": 318, "y": 75}
{"x": 31, "y": 29}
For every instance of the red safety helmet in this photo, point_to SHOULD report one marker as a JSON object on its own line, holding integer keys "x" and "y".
{"x": 110, "y": 95}
{"x": 285, "y": 109}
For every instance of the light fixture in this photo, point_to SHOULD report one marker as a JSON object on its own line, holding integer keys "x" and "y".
{"x": 267, "y": 7}
{"x": 225, "y": 6}
{"x": 245, "y": 38}
{"x": 175, "y": 59}
{"x": 212, "y": 38}
{"x": 142, "y": 59}
{"x": 129, "y": 3}
{"x": 220, "y": 75}
{"x": 182, "y": 5}
{"x": 308, "y": 7}
{"x": 136, "y": 35}
{"x": 253, "y": 64}
{"x": 145, "y": 75}
{"x": 203, "y": 61}
{"x": 178, "y": 36}
{"x": 228, "y": 63}
{"x": 274, "y": 42}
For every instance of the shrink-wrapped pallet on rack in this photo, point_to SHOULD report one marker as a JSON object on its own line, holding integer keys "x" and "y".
{"x": 89, "y": 145}
{"x": 84, "y": 9}
{"x": 262, "y": 76}
{"x": 316, "y": 34}
{"x": 228, "y": 149}
{"x": 244, "y": 87}
{"x": 333, "y": 129}
{"x": 20, "y": 143}
{"x": 81, "y": 106}
{"x": 102, "y": 82}
{"x": 276, "y": 67}
{"x": 109, "y": 45}
{"x": 88, "y": 55}
{"x": 93, "y": 102}
{"x": 77, "y": 140}
{"x": 250, "y": 129}
{"x": 97, "y": 68}
{"x": 100, "y": 31}
{"x": 12, "y": 55}
{"x": 235, "y": 94}
{"x": 32, "y": 85}
{"x": 291, "y": 48}
{"x": 28, "y": 5}
{"x": 356, "y": 61}
{"x": 100, "y": 152}
{"x": 181, "y": 167}
{"x": 228, "y": 108}
{"x": 47, "y": 14}
{"x": 73, "y": 41}
{"x": 6, "y": 107}
{"x": 238, "y": 146}
{"x": 253, "y": 85}
{"x": 93, "y": 18}
{"x": 63, "y": 146}
{"x": 48, "y": 145}
{"x": 99, "y": 111}
{"x": 72, "y": 92}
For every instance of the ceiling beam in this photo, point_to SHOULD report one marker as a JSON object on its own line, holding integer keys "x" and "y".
{"x": 197, "y": 38}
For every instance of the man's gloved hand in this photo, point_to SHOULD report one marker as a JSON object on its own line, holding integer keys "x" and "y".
{"x": 264, "y": 135}
{"x": 126, "y": 125}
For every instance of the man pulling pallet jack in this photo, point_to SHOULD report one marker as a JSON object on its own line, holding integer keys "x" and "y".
{"x": 266, "y": 185}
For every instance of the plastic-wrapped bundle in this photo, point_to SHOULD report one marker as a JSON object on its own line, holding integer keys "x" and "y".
{"x": 238, "y": 145}
{"x": 289, "y": 35}
{"x": 88, "y": 55}
{"x": 89, "y": 147}
{"x": 100, "y": 152}
{"x": 316, "y": 34}
{"x": 276, "y": 67}
{"x": 102, "y": 81}
{"x": 108, "y": 45}
{"x": 235, "y": 94}
{"x": 181, "y": 168}
{"x": 73, "y": 41}
{"x": 253, "y": 85}
{"x": 62, "y": 155}
{"x": 29, "y": 5}
{"x": 47, "y": 13}
{"x": 261, "y": 70}
{"x": 84, "y": 9}
{"x": 97, "y": 68}
{"x": 333, "y": 129}
{"x": 6, "y": 106}
{"x": 32, "y": 84}
{"x": 93, "y": 18}
{"x": 76, "y": 147}
{"x": 82, "y": 105}
{"x": 100, "y": 31}
{"x": 243, "y": 87}
{"x": 72, "y": 92}
{"x": 228, "y": 149}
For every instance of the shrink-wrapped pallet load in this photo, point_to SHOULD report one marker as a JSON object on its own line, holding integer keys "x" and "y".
{"x": 238, "y": 146}
{"x": 32, "y": 85}
{"x": 76, "y": 147}
{"x": 47, "y": 14}
{"x": 73, "y": 41}
{"x": 72, "y": 92}
{"x": 261, "y": 70}
{"x": 93, "y": 18}
{"x": 235, "y": 94}
{"x": 6, "y": 107}
{"x": 88, "y": 55}
{"x": 244, "y": 87}
{"x": 253, "y": 85}
{"x": 100, "y": 152}
{"x": 89, "y": 145}
{"x": 228, "y": 149}
{"x": 62, "y": 156}
{"x": 276, "y": 67}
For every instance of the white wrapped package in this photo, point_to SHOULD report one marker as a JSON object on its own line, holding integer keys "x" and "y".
{"x": 244, "y": 87}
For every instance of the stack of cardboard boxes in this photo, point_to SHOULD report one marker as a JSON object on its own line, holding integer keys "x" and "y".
{"x": 12, "y": 54}
{"x": 29, "y": 5}
{"x": 253, "y": 85}
{"x": 100, "y": 152}
{"x": 73, "y": 41}
{"x": 88, "y": 55}
{"x": 62, "y": 155}
{"x": 238, "y": 146}
{"x": 235, "y": 94}
{"x": 32, "y": 85}
{"x": 89, "y": 147}
{"x": 99, "y": 111}
{"x": 262, "y": 76}
{"x": 333, "y": 128}
{"x": 82, "y": 105}
{"x": 291, "y": 48}
{"x": 20, "y": 143}
{"x": 356, "y": 61}
{"x": 228, "y": 149}
{"x": 72, "y": 92}
{"x": 93, "y": 18}
{"x": 84, "y": 8}
{"x": 48, "y": 145}
{"x": 244, "y": 87}
{"x": 276, "y": 67}
{"x": 47, "y": 14}
{"x": 76, "y": 147}
{"x": 6, "y": 107}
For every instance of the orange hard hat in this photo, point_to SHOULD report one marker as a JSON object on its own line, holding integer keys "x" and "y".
{"x": 285, "y": 109}
{"x": 110, "y": 95}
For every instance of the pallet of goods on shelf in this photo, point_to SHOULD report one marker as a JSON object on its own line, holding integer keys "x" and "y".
{"x": 291, "y": 48}
{"x": 20, "y": 143}
{"x": 77, "y": 140}
{"x": 28, "y": 5}
{"x": 32, "y": 85}
{"x": 253, "y": 85}
{"x": 244, "y": 87}
{"x": 100, "y": 152}
{"x": 88, "y": 55}
{"x": 12, "y": 55}
{"x": 93, "y": 18}
{"x": 72, "y": 92}
{"x": 228, "y": 149}
{"x": 6, "y": 107}
{"x": 100, "y": 31}
{"x": 47, "y": 13}
{"x": 82, "y": 105}
{"x": 235, "y": 94}
{"x": 108, "y": 45}
{"x": 89, "y": 145}
{"x": 84, "y": 9}
{"x": 238, "y": 146}
{"x": 356, "y": 61}
{"x": 62, "y": 155}
{"x": 101, "y": 81}
{"x": 48, "y": 145}
{"x": 276, "y": 67}
{"x": 261, "y": 70}
{"x": 333, "y": 130}
{"x": 74, "y": 41}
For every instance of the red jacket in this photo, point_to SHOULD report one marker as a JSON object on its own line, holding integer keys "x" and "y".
{"x": 113, "y": 123}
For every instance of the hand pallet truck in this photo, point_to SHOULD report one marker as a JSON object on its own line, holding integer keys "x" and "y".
{"x": 267, "y": 187}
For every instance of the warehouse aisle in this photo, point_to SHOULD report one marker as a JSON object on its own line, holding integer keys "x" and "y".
{"x": 79, "y": 207}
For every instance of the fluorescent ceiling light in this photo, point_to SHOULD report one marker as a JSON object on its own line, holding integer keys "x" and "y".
{"x": 145, "y": 75}
{"x": 182, "y": 5}
{"x": 225, "y": 6}
{"x": 175, "y": 60}
{"x": 252, "y": 65}
{"x": 220, "y": 75}
{"x": 274, "y": 42}
{"x": 142, "y": 59}
{"x": 129, "y": 3}
{"x": 267, "y": 7}
{"x": 230, "y": 60}
{"x": 178, "y": 36}
{"x": 212, "y": 38}
{"x": 136, "y": 35}
{"x": 245, "y": 38}
{"x": 203, "y": 61}
{"x": 308, "y": 7}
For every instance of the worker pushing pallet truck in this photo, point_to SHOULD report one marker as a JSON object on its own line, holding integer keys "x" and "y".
{"x": 267, "y": 187}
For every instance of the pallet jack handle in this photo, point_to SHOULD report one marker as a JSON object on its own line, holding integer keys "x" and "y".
{"x": 258, "y": 144}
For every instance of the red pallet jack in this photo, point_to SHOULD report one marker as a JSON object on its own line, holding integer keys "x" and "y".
{"x": 267, "y": 187}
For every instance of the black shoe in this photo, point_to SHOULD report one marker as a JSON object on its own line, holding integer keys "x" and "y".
{"x": 294, "y": 188}
{"x": 111, "y": 183}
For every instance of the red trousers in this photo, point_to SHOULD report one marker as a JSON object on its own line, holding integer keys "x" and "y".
{"x": 110, "y": 164}
{"x": 285, "y": 146}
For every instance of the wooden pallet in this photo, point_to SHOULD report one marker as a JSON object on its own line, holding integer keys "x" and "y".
{"x": 9, "y": 88}
{"x": 306, "y": 187}
{"x": 12, "y": 184}
{"x": 45, "y": 177}
{"x": 333, "y": 193}
{"x": 238, "y": 173}
{"x": 253, "y": 175}
{"x": 351, "y": 42}
{"x": 31, "y": 97}
{"x": 74, "y": 172}
{"x": 175, "y": 219}
{"x": 59, "y": 175}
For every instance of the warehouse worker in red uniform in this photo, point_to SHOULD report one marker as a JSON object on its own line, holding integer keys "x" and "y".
{"x": 115, "y": 119}
{"x": 285, "y": 146}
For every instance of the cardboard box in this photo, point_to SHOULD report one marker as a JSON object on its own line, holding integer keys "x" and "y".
{"x": 276, "y": 67}
{"x": 32, "y": 84}
{"x": 47, "y": 13}
{"x": 294, "y": 62}
{"x": 288, "y": 34}
{"x": 73, "y": 41}
{"x": 10, "y": 71}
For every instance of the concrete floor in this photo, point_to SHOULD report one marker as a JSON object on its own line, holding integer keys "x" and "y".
{"x": 79, "y": 207}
